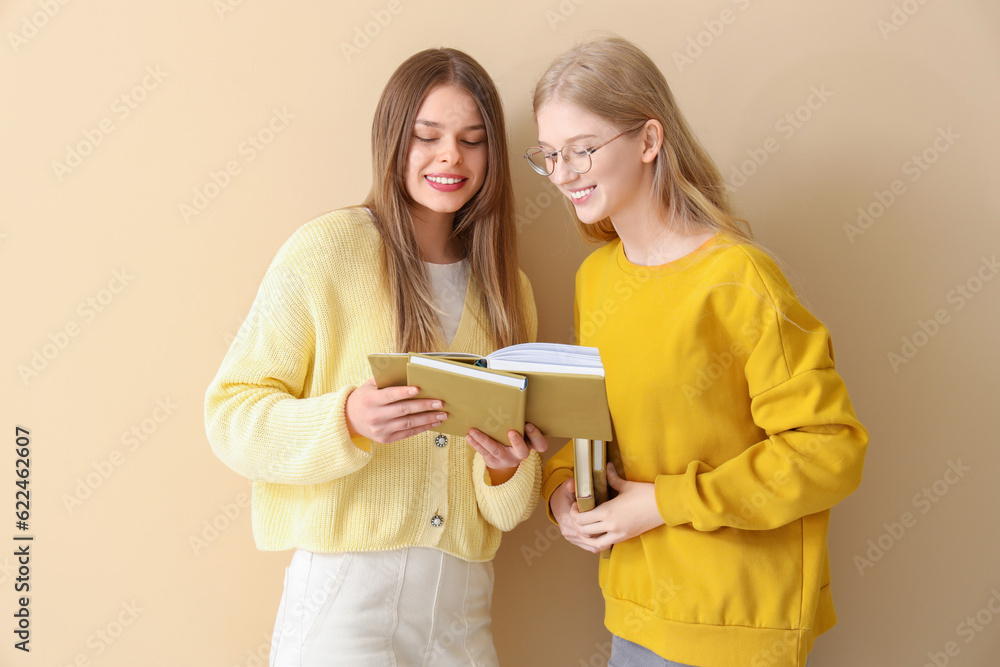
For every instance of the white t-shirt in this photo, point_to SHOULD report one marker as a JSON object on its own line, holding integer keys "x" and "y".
{"x": 448, "y": 284}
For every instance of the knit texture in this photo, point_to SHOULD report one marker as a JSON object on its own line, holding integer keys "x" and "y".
{"x": 275, "y": 413}
{"x": 723, "y": 393}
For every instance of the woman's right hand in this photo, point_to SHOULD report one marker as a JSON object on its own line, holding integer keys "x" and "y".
{"x": 390, "y": 414}
{"x": 565, "y": 510}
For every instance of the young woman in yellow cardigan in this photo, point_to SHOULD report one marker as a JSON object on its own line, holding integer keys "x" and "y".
{"x": 736, "y": 435}
{"x": 393, "y": 523}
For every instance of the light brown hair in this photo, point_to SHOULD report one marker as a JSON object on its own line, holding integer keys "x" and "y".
{"x": 485, "y": 225}
{"x": 614, "y": 79}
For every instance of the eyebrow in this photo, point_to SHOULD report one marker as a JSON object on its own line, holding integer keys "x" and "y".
{"x": 439, "y": 126}
{"x": 569, "y": 142}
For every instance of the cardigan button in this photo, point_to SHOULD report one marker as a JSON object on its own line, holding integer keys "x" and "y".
{"x": 437, "y": 520}
{"x": 441, "y": 440}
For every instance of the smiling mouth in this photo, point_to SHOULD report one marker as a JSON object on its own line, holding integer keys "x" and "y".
{"x": 580, "y": 195}
{"x": 445, "y": 183}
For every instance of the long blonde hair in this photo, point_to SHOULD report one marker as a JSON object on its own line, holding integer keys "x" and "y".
{"x": 614, "y": 79}
{"x": 485, "y": 225}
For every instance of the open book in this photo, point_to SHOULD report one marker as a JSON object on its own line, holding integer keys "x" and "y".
{"x": 547, "y": 358}
{"x": 562, "y": 390}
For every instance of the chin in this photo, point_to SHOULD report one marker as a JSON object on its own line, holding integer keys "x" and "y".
{"x": 589, "y": 218}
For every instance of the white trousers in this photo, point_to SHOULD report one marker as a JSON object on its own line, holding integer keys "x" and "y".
{"x": 414, "y": 607}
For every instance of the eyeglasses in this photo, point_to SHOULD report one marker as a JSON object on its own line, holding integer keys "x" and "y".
{"x": 577, "y": 158}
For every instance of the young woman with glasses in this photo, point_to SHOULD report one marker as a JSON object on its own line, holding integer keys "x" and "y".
{"x": 393, "y": 524}
{"x": 735, "y": 432}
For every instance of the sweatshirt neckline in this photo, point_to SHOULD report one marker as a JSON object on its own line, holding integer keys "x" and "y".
{"x": 626, "y": 265}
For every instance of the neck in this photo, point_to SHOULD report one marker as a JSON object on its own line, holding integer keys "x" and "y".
{"x": 651, "y": 238}
{"x": 433, "y": 231}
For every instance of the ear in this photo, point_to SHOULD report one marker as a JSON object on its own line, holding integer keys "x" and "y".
{"x": 652, "y": 139}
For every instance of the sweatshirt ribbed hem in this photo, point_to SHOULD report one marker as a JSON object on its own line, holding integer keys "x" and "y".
{"x": 717, "y": 645}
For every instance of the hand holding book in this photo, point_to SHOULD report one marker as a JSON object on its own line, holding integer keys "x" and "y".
{"x": 632, "y": 512}
{"x": 502, "y": 461}
{"x": 390, "y": 414}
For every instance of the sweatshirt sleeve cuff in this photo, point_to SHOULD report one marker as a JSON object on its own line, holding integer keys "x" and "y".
{"x": 669, "y": 491}
{"x": 510, "y": 503}
{"x": 552, "y": 482}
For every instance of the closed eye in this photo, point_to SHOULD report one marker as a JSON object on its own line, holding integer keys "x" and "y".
{"x": 466, "y": 142}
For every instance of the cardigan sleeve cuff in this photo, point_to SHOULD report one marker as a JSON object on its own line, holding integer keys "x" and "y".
{"x": 347, "y": 453}
{"x": 508, "y": 504}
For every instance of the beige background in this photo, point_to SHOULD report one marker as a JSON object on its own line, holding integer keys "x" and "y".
{"x": 125, "y": 305}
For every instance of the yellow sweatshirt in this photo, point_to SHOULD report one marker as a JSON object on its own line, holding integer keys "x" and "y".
{"x": 723, "y": 394}
{"x": 275, "y": 413}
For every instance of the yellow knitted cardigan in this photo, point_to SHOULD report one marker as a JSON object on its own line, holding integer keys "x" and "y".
{"x": 275, "y": 413}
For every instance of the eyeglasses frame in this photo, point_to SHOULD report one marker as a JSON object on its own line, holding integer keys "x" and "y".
{"x": 562, "y": 153}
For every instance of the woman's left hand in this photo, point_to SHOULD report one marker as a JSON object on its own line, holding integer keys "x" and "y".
{"x": 632, "y": 512}
{"x": 502, "y": 460}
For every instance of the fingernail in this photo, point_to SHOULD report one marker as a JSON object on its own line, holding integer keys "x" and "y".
{"x": 529, "y": 427}
{"x": 441, "y": 416}
{"x": 414, "y": 391}
{"x": 437, "y": 405}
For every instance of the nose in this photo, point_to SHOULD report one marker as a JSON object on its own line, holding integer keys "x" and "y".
{"x": 449, "y": 151}
{"x": 562, "y": 173}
